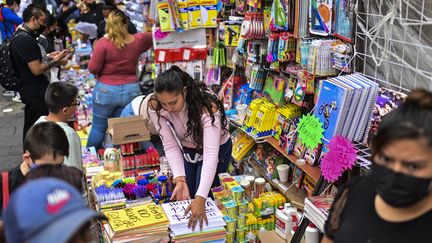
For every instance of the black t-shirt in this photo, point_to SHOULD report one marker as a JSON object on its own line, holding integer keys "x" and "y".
{"x": 353, "y": 218}
{"x": 25, "y": 49}
{"x": 101, "y": 29}
{"x": 93, "y": 16}
{"x": 16, "y": 179}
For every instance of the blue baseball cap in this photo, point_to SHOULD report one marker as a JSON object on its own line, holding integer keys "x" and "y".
{"x": 45, "y": 210}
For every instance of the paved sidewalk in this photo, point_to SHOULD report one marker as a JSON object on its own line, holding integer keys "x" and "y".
{"x": 11, "y": 125}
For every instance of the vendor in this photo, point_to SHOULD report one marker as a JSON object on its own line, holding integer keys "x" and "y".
{"x": 194, "y": 131}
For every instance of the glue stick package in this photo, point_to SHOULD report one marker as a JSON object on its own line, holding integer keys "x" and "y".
{"x": 208, "y": 12}
{"x": 184, "y": 13}
{"x": 165, "y": 19}
{"x": 195, "y": 20}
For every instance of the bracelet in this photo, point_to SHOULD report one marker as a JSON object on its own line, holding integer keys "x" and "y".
{"x": 180, "y": 180}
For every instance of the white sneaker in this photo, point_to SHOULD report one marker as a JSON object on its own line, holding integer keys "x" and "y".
{"x": 17, "y": 98}
{"x": 8, "y": 93}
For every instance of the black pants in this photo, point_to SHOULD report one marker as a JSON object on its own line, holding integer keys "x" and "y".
{"x": 34, "y": 108}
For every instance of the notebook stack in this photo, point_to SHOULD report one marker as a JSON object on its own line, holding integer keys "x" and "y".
{"x": 179, "y": 231}
{"x": 145, "y": 223}
{"x": 345, "y": 106}
{"x": 317, "y": 209}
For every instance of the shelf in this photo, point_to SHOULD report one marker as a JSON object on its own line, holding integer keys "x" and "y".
{"x": 294, "y": 195}
{"x": 313, "y": 171}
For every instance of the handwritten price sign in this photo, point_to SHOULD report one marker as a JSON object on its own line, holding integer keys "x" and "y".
{"x": 130, "y": 218}
{"x": 310, "y": 131}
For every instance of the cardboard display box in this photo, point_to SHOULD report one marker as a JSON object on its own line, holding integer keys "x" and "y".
{"x": 128, "y": 130}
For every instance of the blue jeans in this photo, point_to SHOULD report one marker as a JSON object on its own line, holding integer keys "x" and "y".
{"x": 108, "y": 102}
{"x": 193, "y": 170}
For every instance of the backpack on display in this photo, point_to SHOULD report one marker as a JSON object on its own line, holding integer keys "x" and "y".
{"x": 9, "y": 79}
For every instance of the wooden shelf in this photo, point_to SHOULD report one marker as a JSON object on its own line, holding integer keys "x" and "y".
{"x": 293, "y": 194}
{"x": 313, "y": 171}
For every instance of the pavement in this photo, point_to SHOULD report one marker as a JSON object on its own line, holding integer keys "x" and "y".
{"x": 11, "y": 125}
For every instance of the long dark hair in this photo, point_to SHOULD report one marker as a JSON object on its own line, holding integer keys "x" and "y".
{"x": 411, "y": 120}
{"x": 198, "y": 100}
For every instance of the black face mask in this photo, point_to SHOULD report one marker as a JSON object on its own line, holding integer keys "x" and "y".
{"x": 398, "y": 189}
{"x": 92, "y": 6}
{"x": 41, "y": 29}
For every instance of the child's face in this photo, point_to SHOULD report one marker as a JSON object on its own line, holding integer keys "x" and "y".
{"x": 46, "y": 159}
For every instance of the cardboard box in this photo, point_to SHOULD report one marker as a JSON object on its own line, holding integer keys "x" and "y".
{"x": 128, "y": 130}
{"x": 270, "y": 237}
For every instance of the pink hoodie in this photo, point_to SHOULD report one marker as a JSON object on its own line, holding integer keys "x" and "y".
{"x": 213, "y": 137}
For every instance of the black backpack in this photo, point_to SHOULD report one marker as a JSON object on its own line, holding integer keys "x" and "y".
{"x": 9, "y": 78}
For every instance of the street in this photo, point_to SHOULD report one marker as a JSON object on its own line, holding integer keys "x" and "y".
{"x": 11, "y": 125}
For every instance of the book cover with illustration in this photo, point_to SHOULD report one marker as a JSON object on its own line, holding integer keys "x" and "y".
{"x": 331, "y": 103}
{"x": 386, "y": 101}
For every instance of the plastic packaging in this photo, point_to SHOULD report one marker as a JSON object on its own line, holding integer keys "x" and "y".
{"x": 282, "y": 222}
{"x": 311, "y": 234}
{"x": 247, "y": 189}
{"x": 259, "y": 186}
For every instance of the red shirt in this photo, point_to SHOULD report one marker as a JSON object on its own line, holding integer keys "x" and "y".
{"x": 115, "y": 66}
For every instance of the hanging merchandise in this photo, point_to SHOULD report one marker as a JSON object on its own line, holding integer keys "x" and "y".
{"x": 287, "y": 47}
{"x": 341, "y": 56}
{"x": 307, "y": 80}
{"x": 257, "y": 78}
{"x": 183, "y": 13}
{"x": 219, "y": 54}
{"x": 278, "y": 17}
{"x": 343, "y": 23}
{"x": 256, "y": 4}
{"x": 272, "y": 47}
{"x": 241, "y": 6}
{"x": 253, "y": 26}
{"x": 195, "y": 19}
{"x": 232, "y": 33}
{"x": 304, "y": 52}
{"x": 319, "y": 58}
{"x": 209, "y": 13}
{"x": 320, "y": 17}
{"x": 274, "y": 88}
{"x": 301, "y": 29}
{"x": 165, "y": 19}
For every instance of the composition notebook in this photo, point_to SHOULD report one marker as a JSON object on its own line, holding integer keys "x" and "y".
{"x": 136, "y": 217}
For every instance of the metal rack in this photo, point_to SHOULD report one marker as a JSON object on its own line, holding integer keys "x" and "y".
{"x": 394, "y": 42}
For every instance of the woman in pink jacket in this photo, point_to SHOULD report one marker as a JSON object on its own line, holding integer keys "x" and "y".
{"x": 193, "y": 127}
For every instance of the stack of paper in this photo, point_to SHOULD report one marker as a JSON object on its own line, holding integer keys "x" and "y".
{"x": 180, "y": 232}
{"x": 141, "y": 223}
{"x": 317, "y": 209}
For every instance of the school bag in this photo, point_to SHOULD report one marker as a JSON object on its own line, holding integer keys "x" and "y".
{"x": 9, "y": 78}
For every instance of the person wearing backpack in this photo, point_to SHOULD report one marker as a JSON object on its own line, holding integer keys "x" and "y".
{"x": 31, "y": 62}
{"x": 9, "y": 20}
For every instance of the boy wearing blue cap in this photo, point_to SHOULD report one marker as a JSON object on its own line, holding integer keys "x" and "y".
{"x": 48, "y": 210}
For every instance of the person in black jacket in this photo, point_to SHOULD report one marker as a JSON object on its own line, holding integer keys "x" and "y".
{"x": 90, "y": 12}
{"x": 107, "y": 9}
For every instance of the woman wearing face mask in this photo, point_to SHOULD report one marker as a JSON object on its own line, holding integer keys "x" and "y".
{"x": 193, "y": 127}
{"x": 394, "y": 202}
